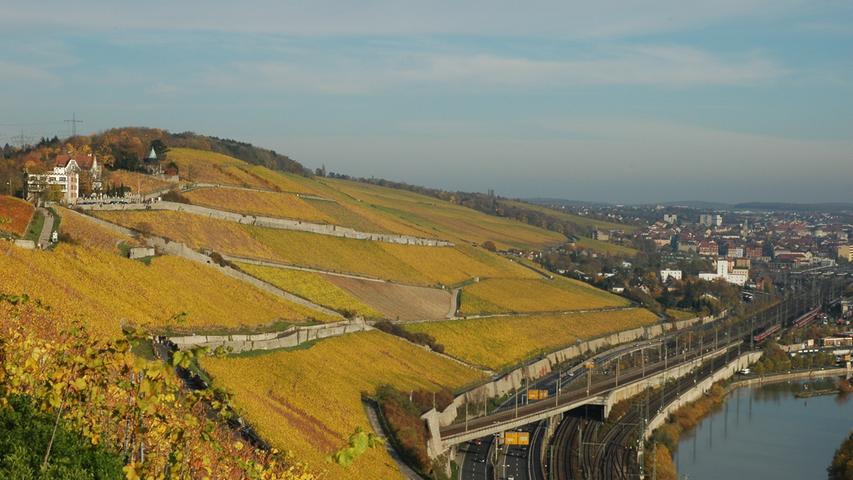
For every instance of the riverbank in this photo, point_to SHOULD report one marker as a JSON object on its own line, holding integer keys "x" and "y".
{"x": 686, "y": 418}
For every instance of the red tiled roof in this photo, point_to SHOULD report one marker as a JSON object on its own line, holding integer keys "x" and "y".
{"x": 83, "y": 161}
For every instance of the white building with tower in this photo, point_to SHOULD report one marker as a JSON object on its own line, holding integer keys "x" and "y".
{"x": 65, "y": 177}
{"x": 737, "y": 276}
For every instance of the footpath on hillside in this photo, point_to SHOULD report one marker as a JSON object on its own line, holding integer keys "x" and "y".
{"x": 46, "y": 229}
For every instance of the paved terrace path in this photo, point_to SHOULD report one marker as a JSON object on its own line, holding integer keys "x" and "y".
{"x": 276, "y": 223}
{"x": 46, "y": 229}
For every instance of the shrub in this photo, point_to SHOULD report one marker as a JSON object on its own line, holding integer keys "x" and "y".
{"x": 177, "y": 197}
{"x": 408, "y": 430}
{"x": 419, "y": 338}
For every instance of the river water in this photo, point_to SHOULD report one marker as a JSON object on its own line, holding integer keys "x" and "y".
{"x": 766, "y": 432}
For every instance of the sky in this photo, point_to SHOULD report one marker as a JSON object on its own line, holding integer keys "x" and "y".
{"x": 615, "y": 101}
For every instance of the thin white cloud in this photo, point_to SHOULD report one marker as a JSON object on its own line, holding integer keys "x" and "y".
{"x": 12, "y": 72}
{"x": 564, "y": 18}
{"x": 652, "y": 66}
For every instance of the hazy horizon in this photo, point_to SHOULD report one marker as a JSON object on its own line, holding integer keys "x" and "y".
{"x": 731, "y": 101}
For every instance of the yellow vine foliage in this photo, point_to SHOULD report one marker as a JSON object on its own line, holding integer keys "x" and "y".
{"x": 309, "y": 400}
{"x": 312, "y": 286}
{"x": 195, "y": 231}
{"x": 252, "y": 202}
{"x": 107, "y": 289}
{"x": 201, "y": 166}
{"x": 500, "y": 295}
{"x": 414, "y": 264}
{"x": 136, "y": 408}
{"x": 498, "y": 342}
{"x": 448, "y": 220}
{"x": 86, "y": 232}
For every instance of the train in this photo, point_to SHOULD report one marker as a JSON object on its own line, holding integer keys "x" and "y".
{"x": 807, "y": 318}
{"x": 766, "y": 333}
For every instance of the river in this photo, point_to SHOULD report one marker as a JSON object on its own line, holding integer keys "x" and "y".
{"x": 766, "y": 432}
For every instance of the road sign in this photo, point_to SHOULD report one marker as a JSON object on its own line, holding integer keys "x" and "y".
{"x": 516, "y": 438}
{"x": 537, "y": 394}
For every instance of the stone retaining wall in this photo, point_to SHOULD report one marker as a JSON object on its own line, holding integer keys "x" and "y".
{"x": 289, "y": 338}
{"x": 277, "y": 223}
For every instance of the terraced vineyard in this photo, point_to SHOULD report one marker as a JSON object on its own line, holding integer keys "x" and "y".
{"x": 253, "y": 202}
{"x": 402, "y": 263}
{"x": 312, "y": 286}
{"x": 15, "y": 215}
{"x": 499, "y": 342}
{"x": 398, "y": 302}
{"x": 107, "y": 290}
{"x": 308, "y": 401}
{"x": 448, "y": 220}
{"x": 201, "y": 166}
{"x": 504, "y": 295}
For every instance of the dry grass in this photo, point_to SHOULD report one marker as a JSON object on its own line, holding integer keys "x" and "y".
{"x": 308, "y": 401}
{"x": 312, "y": 286}
{"x": 15, "y": 215}
{"x": 502, "y": 295}
{"x": 105, "y": 289}
{"x": 499, "y": 342}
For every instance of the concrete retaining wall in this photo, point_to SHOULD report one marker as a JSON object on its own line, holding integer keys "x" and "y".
{"x": 291, "y": 337}
{"x": 697, "y": 391}
{"x": 27, "y": 244}
{"x": 278, "y": 223}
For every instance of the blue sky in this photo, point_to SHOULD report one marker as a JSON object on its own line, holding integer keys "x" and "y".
{"x": 630, "y": 101}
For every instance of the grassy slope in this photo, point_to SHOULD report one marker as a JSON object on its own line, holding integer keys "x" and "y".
{"x": 499, "y": 342}
{"x": 606, "y": 248}
{"x": 577, "y": 219}
{"x": 308, "y": 401}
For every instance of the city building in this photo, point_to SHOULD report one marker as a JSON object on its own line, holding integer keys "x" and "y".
{"x": 735, "y": 276}
{"x": 65, "y": 177}
{"x": 846, "y": 251}
{"x": 710, "y": 219}
{"x": 601, "y": 235}
{"x": 670, "y": 218}
{"x": 667, "y": 274}
{"x": 708, "y": 248}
